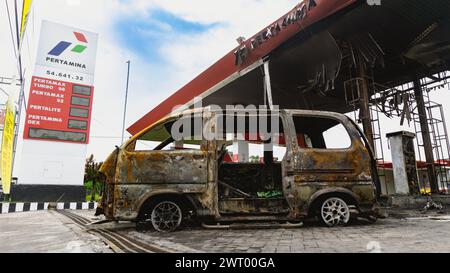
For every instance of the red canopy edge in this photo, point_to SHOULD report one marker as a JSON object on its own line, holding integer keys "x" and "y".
{"x": 317, "y": 10}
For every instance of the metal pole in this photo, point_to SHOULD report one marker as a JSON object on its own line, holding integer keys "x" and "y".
{"x": 18, "y": 41}
{"x": 428, "y": 146}
{"x": 444, "y": 122}
{"x": 364, "y": 105}
{"x": 126, "y": 101}
{"x": 268, "y": 84}
{"x": 17, "y": 127}
{"x": 22, "y": 89}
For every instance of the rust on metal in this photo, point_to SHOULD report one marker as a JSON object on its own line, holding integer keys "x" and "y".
{"x": 226, "y": 191}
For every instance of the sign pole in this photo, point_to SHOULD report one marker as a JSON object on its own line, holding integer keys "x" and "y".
{"x": 126, "y": 101}
{"x": 18, "y": 116}
{"x": 18, "y": 40}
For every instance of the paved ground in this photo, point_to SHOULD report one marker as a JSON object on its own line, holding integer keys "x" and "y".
{"x": 45, "y": 232}
{"x": 389, "y": 235}
{"x": 51, "y": 232}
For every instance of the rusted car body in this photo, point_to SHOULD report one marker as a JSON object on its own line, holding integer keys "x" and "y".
{"x": 313, "y": 180}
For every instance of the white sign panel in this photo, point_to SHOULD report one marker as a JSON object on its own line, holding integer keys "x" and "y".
{"x": 66, "y": 54}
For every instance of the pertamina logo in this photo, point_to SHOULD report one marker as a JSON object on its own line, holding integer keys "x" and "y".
{"x": 62, "y": 46}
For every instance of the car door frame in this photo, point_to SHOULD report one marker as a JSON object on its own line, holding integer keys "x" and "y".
{"x": 130, "y": 192}
{"x": 287, "y": 158}
{"x": 302, "y": 169}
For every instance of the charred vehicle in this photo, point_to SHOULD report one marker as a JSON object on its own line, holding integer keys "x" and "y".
{"x": 309, "y": 164}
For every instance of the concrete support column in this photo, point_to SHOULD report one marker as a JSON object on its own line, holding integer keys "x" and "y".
{"x": 426, "y": 136}
{"x": 241, "y": 151}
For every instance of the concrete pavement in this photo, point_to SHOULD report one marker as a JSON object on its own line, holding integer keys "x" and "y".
{"x": 422, "y": 235}
{"x": 50, "y": 232}
{"x": 45, "y": 232}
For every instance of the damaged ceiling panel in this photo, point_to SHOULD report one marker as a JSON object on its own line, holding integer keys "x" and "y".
{"x": 432, "y": 48}
{"x": 315, "y": 63}
{"x": 376, "y": 33}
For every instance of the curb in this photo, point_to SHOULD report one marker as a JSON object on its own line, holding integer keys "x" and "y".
{"x": 6, "y": 208}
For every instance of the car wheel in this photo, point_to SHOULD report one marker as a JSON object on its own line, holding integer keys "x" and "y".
{"x": 166, "y": 216}
{"x": 335, "y": 212}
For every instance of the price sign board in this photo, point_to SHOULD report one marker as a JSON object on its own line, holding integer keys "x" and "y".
{"x": 61, "y": 90}
{"x": 59, "y": 111}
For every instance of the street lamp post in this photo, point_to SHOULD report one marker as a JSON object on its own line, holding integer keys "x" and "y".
{"x": 126, "y": 101}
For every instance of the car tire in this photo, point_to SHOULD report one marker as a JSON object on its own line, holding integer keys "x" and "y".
{"x": 334, "y": 212}
{"x": 166, "y": 216}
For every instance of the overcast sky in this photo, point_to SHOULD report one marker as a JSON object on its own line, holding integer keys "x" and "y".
{"x": 169, "y": 42}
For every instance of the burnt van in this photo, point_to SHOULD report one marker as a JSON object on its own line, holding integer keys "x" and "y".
{"x": 242, "y": 166}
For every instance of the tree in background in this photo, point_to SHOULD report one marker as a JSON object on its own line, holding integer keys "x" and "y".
{"x": 92, "y": 175}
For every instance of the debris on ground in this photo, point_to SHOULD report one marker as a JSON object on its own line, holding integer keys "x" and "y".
{"x": 431, "y": 205}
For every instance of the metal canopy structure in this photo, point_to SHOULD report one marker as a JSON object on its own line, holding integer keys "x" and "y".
{"x": 341, "y": 56}
{"x": 399, "y": 40}
{"x": 232, "y": 72}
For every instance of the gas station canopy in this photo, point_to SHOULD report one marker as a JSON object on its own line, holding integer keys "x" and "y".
{"x": 308, "y": 55}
